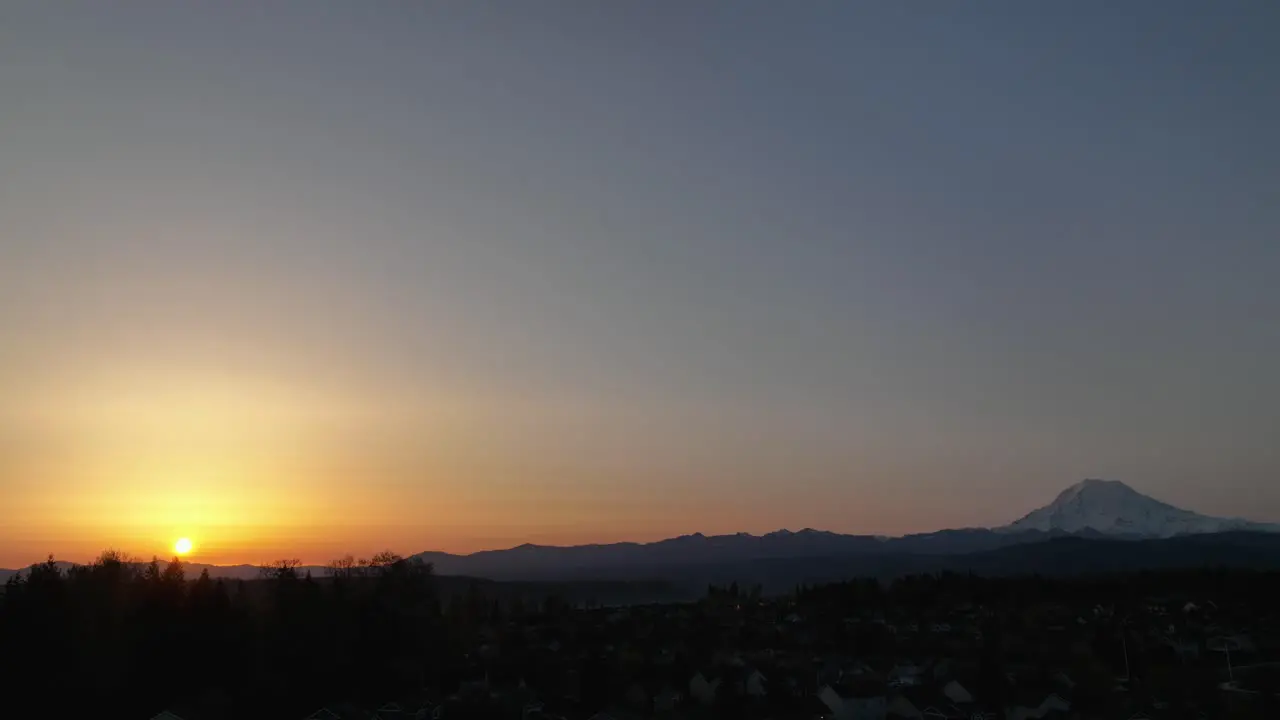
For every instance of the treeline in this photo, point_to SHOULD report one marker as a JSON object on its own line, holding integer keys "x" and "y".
{"x": 127, "y": 639}
{"x": 120, "y": 638}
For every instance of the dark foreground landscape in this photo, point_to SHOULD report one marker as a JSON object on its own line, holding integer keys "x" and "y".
{"x": 390, "y": 639}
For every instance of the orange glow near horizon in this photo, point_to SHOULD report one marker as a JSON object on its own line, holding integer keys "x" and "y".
{"x": 257, "y": 470}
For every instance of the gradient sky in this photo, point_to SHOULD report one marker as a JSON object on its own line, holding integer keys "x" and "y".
{"x": 302, "y": 278}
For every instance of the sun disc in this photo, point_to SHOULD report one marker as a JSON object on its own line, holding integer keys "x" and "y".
{"x": 182, "y": 546}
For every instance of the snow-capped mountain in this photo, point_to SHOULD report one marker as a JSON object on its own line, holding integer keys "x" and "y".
{"x": 1112, "y": 508}
{"x": 1092, "y": 508}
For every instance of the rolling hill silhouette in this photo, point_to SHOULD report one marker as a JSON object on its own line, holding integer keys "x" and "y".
{"x": 1092, "y": 526}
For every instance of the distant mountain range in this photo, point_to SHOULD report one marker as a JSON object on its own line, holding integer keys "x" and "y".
{"x": 1091, "y": 509}
{"x": 1092, "y": 525}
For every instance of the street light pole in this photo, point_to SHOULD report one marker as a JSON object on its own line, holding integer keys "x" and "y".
{"x": 1125, "y": 645}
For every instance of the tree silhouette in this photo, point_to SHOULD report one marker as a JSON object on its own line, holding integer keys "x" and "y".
{"x": 123, "y": 638}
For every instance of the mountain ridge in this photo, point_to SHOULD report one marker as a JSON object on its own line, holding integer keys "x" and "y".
{"x": 1090, "y": 509}
{"x": 1113, "y": 508}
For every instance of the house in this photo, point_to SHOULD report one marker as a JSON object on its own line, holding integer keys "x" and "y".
{"x": 857, "y": 708}
{"x": 636, "y": 695}
{"x": 702, "y": 690}
{"x": 860, "y": 669}
{"x": 1046, "y": 709}
{"x": 1064, "y": 680}
{"x": 832, "y": 700}
{"x": 809, "y": 706}
{"x": 1186, "y": 650}
{"x": 901, "y": 707}
{"x": 754, "y": 686}
{"x": 666, "y": 700}
{"x": 1243, "y": 643}
{"x": 475, "y": 687}
{"x": 957, "y": 693}
{"x": 904, "y": 674}
{"x": 830, "y": 672}
{"x": 389, "y": 711}
{"x": 875, "y": 707}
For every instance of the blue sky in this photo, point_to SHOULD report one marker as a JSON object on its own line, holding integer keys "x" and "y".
{"x": 647, "y": 267}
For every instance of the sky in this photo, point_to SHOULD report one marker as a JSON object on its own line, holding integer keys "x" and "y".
{"x": 298, "y": 279}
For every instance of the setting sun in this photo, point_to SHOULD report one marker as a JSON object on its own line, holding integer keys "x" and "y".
{"x": 182, "y": 546}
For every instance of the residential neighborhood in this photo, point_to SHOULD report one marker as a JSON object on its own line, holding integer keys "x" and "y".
{"x": 923, "y": 648}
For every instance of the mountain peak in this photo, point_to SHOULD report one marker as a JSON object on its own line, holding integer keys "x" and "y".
{"x": 1111, "y": 507}
{"x": 1099, "y": 482}
{"x": 1096, "y": 488}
